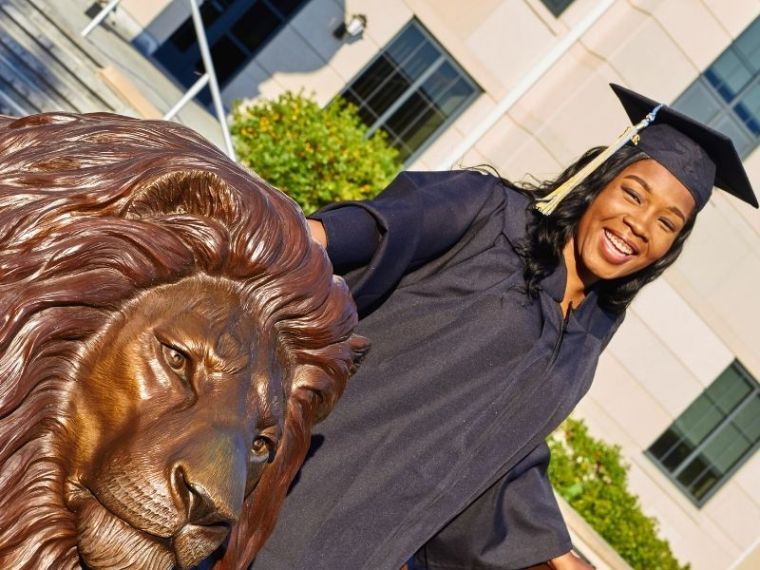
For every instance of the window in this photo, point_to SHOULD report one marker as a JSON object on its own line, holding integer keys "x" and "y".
{"x": 713, "y": 437}
{"x": 412, "y": 91}
{"x": 556, "y": 7}
{"x": 727, "y": 95}
{"x": 236, "y": 30}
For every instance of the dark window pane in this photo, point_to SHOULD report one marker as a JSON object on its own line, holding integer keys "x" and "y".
{"x": 412, "y": 52}
{"x": 406, "y": 44}
{"x": 415, "y": 65}
{"x": 392, "y": 90}
{"x": 748, "y": 45}
{"x": 286, "y": 7}
{"x": 227, "y": 58}
{"x": 456, "y": 96}
{"x": 556, "y": 7}
{"x": 677, "y": 455}
{"x": 729, "y": 125}
{"x": 727, "y": 95}
{"x": 391, "y": 95}
{"x": 747, "y": 421}
{"x": 439, "y": 82}
{"x": 375, "y": 75}
{"x": 728, "y": 75}
{"x": 703, "y": 484}
{"x": 366, "y": 114}
{"x": 702, "y": 460}
{"x": 184, "y": 36}
{"x": 748, "y": 108}
{"x": 699, "y": 102}
{"x": 423, "y": 128}
{"x": 728, "y": 390}
{"x": 415, "y": 106}
{"x": 210, "y": 11}
{"x": 693, "y": 470}
{"x": 726, "y": 448}
{"x": 699, "y": 420}
{"x": 665, "y": 443}
{"x": 404, "y": 151}
{"x": 256, "y": 26}
{"x": 351, "y": 97}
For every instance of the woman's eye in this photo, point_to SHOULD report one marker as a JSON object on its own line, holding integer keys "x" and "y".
{"x": 668, "y": 224}
{"x": 632, "y": 194}
{"x": 174, "y": 358}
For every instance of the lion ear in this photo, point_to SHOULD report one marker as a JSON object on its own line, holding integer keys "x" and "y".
{"x": 319, "y": 385}
{"x": 193, "y": 192}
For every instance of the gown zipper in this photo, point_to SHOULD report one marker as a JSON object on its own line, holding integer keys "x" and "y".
{"x": 562, "y": 329}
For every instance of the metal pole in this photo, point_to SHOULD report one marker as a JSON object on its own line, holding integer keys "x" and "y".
{"x": 192, "y": 92}
{"x": 525, "y": 84}
{"x": 216, "y": 96}
{"x": 99, "y": 18}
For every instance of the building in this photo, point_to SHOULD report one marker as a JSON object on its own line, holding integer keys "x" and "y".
{"x": 679, "y": 386}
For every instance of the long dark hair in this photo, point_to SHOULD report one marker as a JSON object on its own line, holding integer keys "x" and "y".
{"x": 547, "y": 235}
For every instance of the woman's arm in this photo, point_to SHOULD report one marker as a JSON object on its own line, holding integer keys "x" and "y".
{"x": 569, "y": 561}
{"x": 317, "y": 231}
{"x": 417, "y": 218}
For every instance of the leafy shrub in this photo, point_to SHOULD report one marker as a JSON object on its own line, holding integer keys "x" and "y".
{"x": 315, "y": 155}
{"x": 591, "y": 476}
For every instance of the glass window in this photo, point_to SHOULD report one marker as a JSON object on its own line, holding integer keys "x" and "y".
{"x": 236, "y": 30}
{"x": 715, "y": 434}
{"x": 556, "y": 7}
{"x": 727, "y": 95}
{"x": 412, "y": 90}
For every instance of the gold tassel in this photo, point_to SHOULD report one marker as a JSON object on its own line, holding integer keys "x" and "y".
{"x": 549, "y": 203}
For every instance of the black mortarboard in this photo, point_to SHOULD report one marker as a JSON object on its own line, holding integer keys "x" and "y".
{"x": 698, "y": 156}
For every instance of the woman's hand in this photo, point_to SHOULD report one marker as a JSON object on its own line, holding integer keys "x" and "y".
{"x": 568, "y": 561}
{"x": 317, "y": 231}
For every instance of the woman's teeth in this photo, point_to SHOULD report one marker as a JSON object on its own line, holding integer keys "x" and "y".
{"x": 618, "y": 243}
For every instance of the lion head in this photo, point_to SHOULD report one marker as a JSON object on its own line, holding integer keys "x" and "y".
{"x": 168, "y": 336}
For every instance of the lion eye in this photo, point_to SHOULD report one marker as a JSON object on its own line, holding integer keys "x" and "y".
{"x": 262, "y": 450}
{"x": 174, "y": 358}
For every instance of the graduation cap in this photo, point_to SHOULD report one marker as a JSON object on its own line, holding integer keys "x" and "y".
{"x": 698, "y": 156}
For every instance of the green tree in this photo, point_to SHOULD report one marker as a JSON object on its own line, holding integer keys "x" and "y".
{"x": 315, "y": 155}
{"x": 591, "y": 475}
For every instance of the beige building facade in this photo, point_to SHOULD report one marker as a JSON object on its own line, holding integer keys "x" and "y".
{"x": 699, "y": 324}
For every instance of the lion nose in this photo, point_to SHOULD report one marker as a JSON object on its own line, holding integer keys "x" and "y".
{"x": 201, "y": 507}
{"x": 209, "y": 479}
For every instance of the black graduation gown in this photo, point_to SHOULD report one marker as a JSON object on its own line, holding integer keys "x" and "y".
{"x": 438, "y": 442}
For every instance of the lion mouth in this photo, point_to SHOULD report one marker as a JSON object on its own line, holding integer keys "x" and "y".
{"x": 108, "y": 542}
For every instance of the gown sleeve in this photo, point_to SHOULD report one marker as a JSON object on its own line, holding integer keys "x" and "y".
{"x": 516, "y": 523}
{"x": 418, "y": 217}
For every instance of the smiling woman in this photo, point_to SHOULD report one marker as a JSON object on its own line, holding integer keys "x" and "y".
{"x": 632, "y": 223}
{"x": 488, "y": 306}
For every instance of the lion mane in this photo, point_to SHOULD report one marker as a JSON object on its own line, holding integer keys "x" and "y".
{"x": 95, "y": 210}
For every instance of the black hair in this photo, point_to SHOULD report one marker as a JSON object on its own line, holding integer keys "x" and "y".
{"x": 547, "y": 235}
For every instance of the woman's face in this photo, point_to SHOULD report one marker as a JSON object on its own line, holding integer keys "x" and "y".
{"x": 632, "y": 222}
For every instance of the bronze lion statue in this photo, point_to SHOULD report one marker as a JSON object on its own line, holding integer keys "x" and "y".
{"x": 168, "y": 336}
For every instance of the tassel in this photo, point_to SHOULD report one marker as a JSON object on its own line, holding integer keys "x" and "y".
{"x": 549, "y": 203}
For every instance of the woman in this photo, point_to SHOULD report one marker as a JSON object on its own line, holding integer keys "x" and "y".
{"x": 487, "y": 319}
